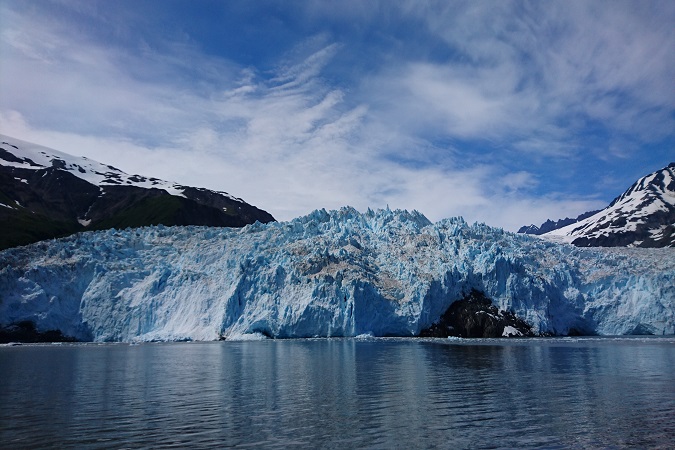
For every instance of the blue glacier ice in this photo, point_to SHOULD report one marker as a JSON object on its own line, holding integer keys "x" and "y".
{"x": 337, "y": 273}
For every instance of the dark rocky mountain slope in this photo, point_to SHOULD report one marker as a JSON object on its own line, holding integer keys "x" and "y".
{"x": 45, "y": 194}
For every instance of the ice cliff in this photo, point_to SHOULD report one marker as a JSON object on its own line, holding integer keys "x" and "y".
{"x": 338, "y": 273}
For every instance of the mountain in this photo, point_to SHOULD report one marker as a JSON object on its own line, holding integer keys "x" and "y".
{"x": 550, "y": 225}
{"x": 337, "y": 273}
{"x": 643, "y": 216}
{"x": 45, "y": 193}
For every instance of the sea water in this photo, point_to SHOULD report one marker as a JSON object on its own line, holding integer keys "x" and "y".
{"x": 341, "y": 393}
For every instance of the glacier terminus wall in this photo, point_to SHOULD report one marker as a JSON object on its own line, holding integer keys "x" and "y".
{"x": 337, "y": 273}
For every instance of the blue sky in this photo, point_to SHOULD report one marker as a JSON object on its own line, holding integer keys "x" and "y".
{"x": 503, "y": 112}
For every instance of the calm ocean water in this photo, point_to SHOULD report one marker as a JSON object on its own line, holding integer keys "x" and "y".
{"x": 341, "y": 393}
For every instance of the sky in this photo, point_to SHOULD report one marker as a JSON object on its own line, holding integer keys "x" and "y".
{"x": 503, "y": 112}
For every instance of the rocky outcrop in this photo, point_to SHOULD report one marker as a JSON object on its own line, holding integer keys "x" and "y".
{"x": 26, "y": 332}
{"x": 475, "y": 316}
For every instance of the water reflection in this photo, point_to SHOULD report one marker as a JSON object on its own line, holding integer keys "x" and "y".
{"x": 338, "y": 394}
{"x": 566, "y": 396}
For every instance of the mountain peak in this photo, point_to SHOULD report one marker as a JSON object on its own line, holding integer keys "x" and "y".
{"x": 643, "y": 216}
{"x": 550, "y": 225}
{"x": 46, "y": 193}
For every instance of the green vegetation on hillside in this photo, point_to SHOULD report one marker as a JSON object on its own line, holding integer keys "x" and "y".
{"x": 26, "y": 228}
{"x": 150, "y": 211}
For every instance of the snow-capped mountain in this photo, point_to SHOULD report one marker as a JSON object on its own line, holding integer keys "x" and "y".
{"x": 46, "y": 193}
{"x": 550, "y": 225}
{"x": 338, "y": 273}
{"x": 643, "y": 216}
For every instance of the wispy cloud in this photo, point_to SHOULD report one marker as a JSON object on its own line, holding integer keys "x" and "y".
{"x": 523, "y": 70}
{"x": 485, "y": 110}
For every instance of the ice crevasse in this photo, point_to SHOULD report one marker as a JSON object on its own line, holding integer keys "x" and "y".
{"x": 337, "y": 273}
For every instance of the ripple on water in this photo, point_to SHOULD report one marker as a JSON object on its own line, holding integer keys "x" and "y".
{"x": 344, "y": 393}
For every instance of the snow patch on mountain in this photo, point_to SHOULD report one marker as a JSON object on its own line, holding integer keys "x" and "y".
{"x": 26, "y": 155}
{"x": 641, "y": 216}
{"x": 338, "y": 273}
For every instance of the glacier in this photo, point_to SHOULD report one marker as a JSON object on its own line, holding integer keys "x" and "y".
{"x": 327, "y": 274}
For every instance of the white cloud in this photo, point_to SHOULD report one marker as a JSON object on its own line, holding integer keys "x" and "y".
{"x": 289, "y": 140}
{"x": 532, "y": 65}
{"x": 463, "y": 103}
{"x": 330, "y": 175}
